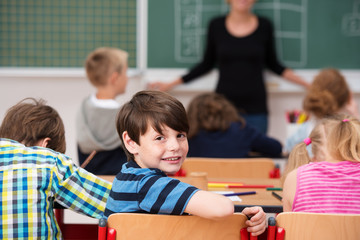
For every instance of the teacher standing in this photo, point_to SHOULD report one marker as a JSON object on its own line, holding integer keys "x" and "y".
{"x": 241, "y": 44}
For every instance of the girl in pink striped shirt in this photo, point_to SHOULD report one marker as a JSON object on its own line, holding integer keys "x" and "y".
{"x": 330, "y": 182}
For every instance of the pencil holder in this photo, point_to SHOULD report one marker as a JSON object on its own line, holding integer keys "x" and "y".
{"x": 199, "y": 180}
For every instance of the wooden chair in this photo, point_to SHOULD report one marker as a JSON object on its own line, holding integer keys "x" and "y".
{"x": 230, "y": 168}
{"x": 137, "y": 226}
{"x": 316, "y": 226}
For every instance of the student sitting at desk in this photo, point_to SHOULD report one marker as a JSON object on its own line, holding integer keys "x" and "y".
{"x": 330, "y": 183}
{"x": 106, "y": 68}
{"x": 328, "y": 94}
{"x": 218, "y": 131}
{"x": 34, "y": 173}
{"x": 153, "y": 128}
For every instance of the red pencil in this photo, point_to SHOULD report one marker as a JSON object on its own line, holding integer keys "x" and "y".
{"x": 250, "y": 186}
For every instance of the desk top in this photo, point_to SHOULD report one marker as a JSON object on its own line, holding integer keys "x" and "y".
{"x": 262, "y": 198}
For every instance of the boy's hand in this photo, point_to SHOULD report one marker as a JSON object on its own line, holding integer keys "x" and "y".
{"x": 257, "y": 222}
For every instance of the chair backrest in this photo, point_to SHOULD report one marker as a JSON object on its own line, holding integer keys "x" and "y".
{"x": 230, "y": 168}
{"x": 318, "y": 226}
{"x": 138, "y": 226}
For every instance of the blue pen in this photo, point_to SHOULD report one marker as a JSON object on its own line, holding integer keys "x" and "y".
{"x": 239, "y": 193}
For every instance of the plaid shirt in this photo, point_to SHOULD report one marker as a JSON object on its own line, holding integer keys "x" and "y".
{"x": 31, "y": 179}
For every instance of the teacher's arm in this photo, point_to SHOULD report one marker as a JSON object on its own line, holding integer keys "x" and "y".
{"x": 207, "y": 64}
{"x": 289, "y": 75}
{"x": 164, "y": 86}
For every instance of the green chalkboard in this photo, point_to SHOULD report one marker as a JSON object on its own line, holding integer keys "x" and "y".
{"x": 61, "y": 33}
{"x": 310, "y": 34}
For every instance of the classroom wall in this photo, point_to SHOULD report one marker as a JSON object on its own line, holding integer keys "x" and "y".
{"x": 65, "y": 89}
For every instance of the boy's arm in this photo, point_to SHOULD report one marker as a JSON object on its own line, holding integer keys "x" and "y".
{"x": 209, "y": 205}
{"x": 79, "y": 190}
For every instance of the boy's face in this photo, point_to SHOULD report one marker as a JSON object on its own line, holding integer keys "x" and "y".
{"x": 165, "y": 151}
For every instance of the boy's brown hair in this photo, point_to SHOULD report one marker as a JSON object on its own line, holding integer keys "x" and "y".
{"x": 211, "y": 112}
{"x": 30, "y": 121}
{"x": 103, "y": 62}
{"x": 150, "y": 108}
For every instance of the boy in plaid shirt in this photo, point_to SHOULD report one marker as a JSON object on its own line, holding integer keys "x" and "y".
{"x": 34, "y": 172}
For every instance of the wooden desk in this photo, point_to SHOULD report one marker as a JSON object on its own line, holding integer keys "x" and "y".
{"x": 262, "y": 198}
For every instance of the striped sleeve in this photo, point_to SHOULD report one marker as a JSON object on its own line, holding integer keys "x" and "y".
{"x": 164, "y": 195}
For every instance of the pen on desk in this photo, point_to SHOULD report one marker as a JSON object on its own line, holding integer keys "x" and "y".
{"x": 86, "y": 162}
{"x": 223, "y": 185}
{"x": 251, "y": 186}
{"x": 273, "y": 189}
{"x": 276, "y": 195}
{"x": 239, "y": 193}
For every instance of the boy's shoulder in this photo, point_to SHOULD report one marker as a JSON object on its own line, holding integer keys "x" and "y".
{"x": 132, "y": 168}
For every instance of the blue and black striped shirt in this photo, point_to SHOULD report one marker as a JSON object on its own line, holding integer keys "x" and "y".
{"x": 147, "y": 190}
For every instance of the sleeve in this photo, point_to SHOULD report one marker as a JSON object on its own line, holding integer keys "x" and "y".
{"x": 265, "y": 145}
{"x": 165, "y": 195}
{"x": 271, "y": 59}
{"x": 209, "y": 57}
{"x": 77, "y": 189}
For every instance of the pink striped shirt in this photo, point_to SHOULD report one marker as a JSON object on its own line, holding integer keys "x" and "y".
{"x": 324, "y": 187}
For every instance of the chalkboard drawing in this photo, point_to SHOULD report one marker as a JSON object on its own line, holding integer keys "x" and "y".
{"x": 191, "y": 20}
{"x": 351, "y": 21}
{"x": 288, "y": 16}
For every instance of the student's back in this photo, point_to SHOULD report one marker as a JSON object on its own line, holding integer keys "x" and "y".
{"x": 216, "y": 130}
{"x": 95, "y": 124}
{"x": 33, "y": 176}
{"x": 329, "y": 181}
{"x": 325, "y": 187}
{"x": 328, "y": 94}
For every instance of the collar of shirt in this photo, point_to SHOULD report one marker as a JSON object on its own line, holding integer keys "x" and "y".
{"x": 104, "y": 103}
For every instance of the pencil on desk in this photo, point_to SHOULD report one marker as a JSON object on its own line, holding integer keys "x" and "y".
{"x": 273, "y": 189}
{"x": 223, "y": 185}
{"x": 88, "y": 159}
{"x": 251, "y": 186}
{"x": 239, "y": 193}
{"x": 276, "y": 195}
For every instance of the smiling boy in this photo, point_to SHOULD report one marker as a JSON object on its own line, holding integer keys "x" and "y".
{"x": 153, "y": 127}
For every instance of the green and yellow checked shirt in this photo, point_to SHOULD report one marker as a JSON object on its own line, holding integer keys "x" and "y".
{"x": 31, "y": 179}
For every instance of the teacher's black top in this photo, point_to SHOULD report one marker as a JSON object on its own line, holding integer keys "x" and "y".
{"x": 241, "y": 62}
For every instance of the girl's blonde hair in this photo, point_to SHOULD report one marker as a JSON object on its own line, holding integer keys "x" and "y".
{"x": 342, "y": 134}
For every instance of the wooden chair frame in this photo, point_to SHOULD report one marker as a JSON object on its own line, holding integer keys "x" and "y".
{"x": 318, "y": 226}
{"x": 136, "y": 226}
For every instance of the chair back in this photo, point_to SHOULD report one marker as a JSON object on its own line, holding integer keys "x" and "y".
{"x": 230, "y": 168}
{"x": 318, "y": 226}
{"x": 137, "y": 226}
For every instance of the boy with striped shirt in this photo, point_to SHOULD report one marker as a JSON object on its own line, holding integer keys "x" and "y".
{"x": 153, "y": 128}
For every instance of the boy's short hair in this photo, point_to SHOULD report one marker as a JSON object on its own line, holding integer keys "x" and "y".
{"x": 154, "y": 108}
{"x": 31, "y": 120}
{"x": 103, "y": 62}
